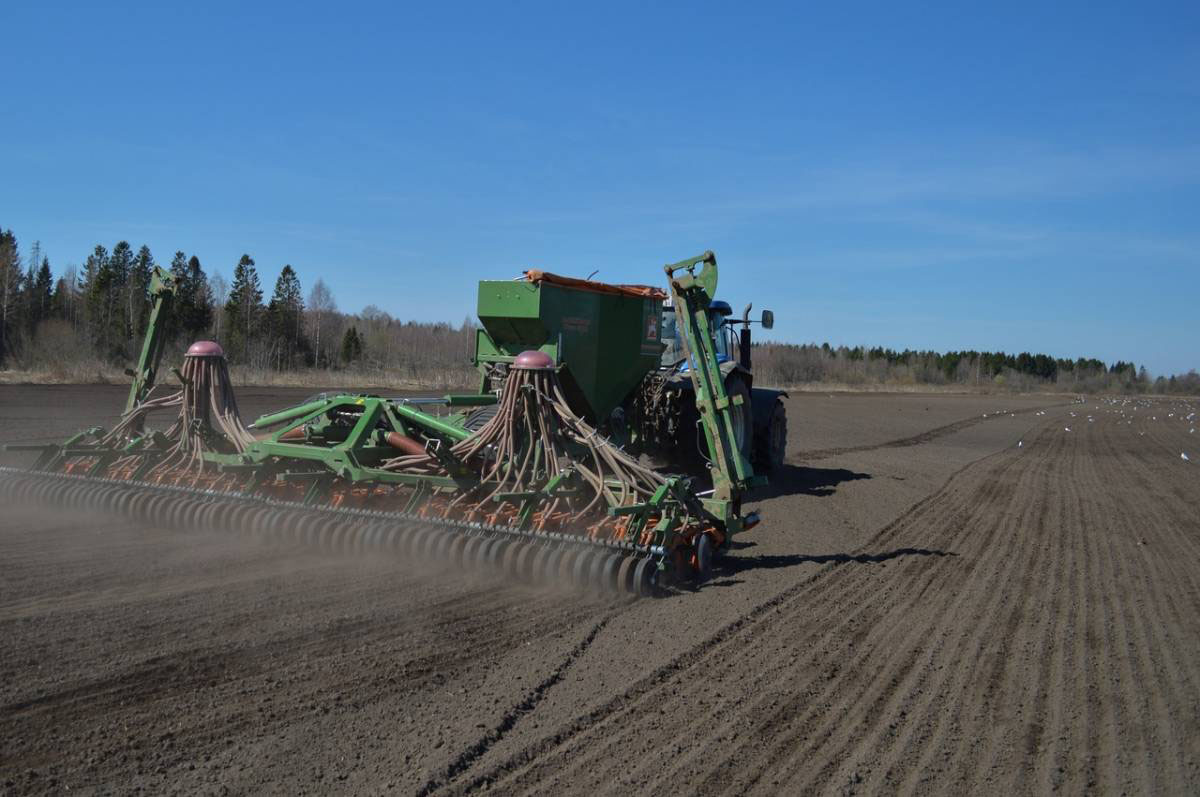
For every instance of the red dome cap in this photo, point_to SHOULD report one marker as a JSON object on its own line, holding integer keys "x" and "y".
{"x": 205, "y": 348}
{"x": 533, "y": 360}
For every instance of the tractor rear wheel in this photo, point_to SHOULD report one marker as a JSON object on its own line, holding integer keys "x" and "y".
{"x": 743, "y": 417}
{"x": 692, "y": 441}
{"x": 771, "y": 444}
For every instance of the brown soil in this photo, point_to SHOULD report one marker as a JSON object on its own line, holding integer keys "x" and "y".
{"x": 926, "y": 607}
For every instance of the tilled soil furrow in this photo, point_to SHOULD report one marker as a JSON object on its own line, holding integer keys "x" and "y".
{"x": 921, "y": 697}
{"x": 829, "y": 615}
{"x": 732, "y": 638}
{"x": 971, "y": 673}
{"x": 782, "y": 722}
{"x": 1153, "y": 582}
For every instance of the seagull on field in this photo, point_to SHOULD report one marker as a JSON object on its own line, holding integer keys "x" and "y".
{"x": 1066, "y": 428}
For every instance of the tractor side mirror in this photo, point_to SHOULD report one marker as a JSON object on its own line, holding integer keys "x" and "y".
{"x": 768, "y": 319}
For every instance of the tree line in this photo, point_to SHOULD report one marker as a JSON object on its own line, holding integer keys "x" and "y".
{"x": 93, "y": 316}
{"x": 792, "y": 364}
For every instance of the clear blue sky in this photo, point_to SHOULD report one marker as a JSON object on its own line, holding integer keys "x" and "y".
{"x": 932, "y": 176}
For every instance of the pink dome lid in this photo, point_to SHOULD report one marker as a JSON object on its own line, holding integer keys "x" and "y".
{"x": 205, "y": 348}
{"x": 533, "y": 360}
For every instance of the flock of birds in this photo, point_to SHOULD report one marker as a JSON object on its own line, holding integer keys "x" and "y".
{"x": 1126, "y": 410}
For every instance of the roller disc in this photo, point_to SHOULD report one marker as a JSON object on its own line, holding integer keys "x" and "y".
{"x": 585, "y": 562}
{"x": 625, "y": 574}
{"x": 523, "y": 567}
{"x": 483, "y": 553}
{"x": 609, "y": 573}
{"x": 566, "y": 566}
{"x": 644, "y": 576}
{"x": 508, "y": 563}
{"x": 703, "y": 558}
{"x": 595, "y": 575}
{"x": 496, "y": 551}
{"x": 443, "y": 547}
{"x": 471, "y": 552}
{"x": 542, "y": 561}
{"x": 457, "y": 545}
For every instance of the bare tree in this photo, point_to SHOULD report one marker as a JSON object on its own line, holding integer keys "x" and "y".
{"x": 320, "y": 305}
{"x": 218, "y": 288}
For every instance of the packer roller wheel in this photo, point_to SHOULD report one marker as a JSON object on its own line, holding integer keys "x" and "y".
{"x": 496, "y": 553}
{"x": 644, "y": 577}
{"x": 566, "y": 565}
{"x": 457, "y": 546}
{"x": 585, "y": 563}
{"x": 625, "y": 574}
{"x": 595, "y": 574}
{"x": 443, "y": 547}
{"x": 609, "y": 573}
{"x": 546, "y": 565}
{"x": 508, "y": 562}
{"x": 471, "y": 552}
{"x": 523, "y": 567}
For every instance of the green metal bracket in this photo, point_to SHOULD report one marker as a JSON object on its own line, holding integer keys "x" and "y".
{"x": 162, "y": 288}
{"x": 732, "y": 474}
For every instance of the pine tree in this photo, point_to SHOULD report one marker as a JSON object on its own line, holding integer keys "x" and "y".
{"x": 10, "y": 291}
{"x": 119, "y": 303}
{"x": 43, "y": 290}
{"x": 200, "y": 311}
{"x": 193, "y": 298}
{"x": 244, "y": 308}
{"x": 98, "y": 288}
{"x": 285, "y": 313}
{"x": 352, "y": 346}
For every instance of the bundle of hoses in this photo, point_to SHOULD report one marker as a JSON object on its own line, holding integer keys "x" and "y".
{"x": 204, "y": 405}
{"x": 526, "y": 444}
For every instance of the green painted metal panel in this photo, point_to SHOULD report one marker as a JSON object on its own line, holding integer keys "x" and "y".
{"x": 608, "y": 342}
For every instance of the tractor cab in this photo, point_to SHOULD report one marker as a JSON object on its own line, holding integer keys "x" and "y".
{"x": 719, "y": 322}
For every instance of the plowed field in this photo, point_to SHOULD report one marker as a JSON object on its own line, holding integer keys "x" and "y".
{"x": 947, "y": 594}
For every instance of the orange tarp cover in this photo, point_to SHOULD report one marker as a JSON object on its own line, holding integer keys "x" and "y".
{"x": 644, "y": 291}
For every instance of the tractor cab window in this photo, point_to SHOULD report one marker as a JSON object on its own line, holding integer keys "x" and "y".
{"x": 669, "y": 335}
{"x": 721, "y": 332}
{"x": 673, "y": 352}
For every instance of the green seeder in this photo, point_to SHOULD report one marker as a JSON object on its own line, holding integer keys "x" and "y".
{"x": 553, "y": 468}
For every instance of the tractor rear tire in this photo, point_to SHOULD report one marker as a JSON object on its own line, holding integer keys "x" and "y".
{"x": 692, "y": 441}
{"x": 771, "y": 444}
{"x": 743, "y": 422}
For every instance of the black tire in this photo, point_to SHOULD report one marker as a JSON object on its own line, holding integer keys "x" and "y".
{"x": 692, "y": 442}
{"x": 770, "y": 445}
{"x": 704, "y": 558}
{"x": 743, "y": 423}
{"x": 479, "y": 418}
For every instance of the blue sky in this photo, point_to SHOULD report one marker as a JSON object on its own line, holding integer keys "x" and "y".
{"x": 909, "y": 175}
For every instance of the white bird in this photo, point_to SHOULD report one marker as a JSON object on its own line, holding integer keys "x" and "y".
{"x": 1066, "y": 428}
{"x": 1019, "y": 443}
